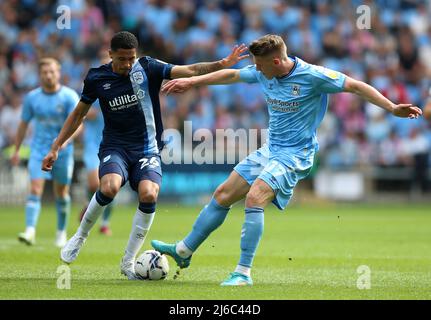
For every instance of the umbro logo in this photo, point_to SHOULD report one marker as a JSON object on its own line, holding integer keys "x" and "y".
{"x": 107, "y": 86}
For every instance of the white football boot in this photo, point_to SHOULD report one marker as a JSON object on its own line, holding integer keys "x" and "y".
{"x": 27, "y": 237}
{"x": 127, "y": 268}
{"x": 71, "y": 249}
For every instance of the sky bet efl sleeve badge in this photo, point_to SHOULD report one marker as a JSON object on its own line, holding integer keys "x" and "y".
{"x": 331, "y": 73}
{"x": 327, "y": 72}
{"x": 138, "y": 77}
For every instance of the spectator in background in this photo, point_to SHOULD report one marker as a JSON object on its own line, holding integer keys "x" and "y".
{"x": 393, "y": 55}
{"x": 417, "y": 147}
{"x": 3, "y": 138}
{"x": 4, "y": 71}
{"x": 10, "y": 118}
{"x": 392, "y": 152}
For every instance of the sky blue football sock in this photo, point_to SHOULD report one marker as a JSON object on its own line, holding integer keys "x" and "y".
{"x": 210, "y": 218}
{"x": 251, "y": 232}
{"x": 63, "y": 211}
{"x": 32, "y": 210}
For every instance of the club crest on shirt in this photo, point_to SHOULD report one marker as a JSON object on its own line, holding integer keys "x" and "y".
{"x": 59, "y": 108}
{"x": 138, "y": 77}
{"x": 296, "y": 90}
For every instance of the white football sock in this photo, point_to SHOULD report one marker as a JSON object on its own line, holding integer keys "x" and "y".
{"x": 141, "y": 225}
{"x": 182, "y": 250}
{"x": 94, "y": 210}
{"x": 61, "y": 233}
{"x": 30, "y": 231}
{"x": 104, "y": 223}
{"x": 243, "y": 270}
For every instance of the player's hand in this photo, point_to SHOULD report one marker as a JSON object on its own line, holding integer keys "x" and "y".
{"x": 235, "y": 56}
{"x": 49, "y": 160}
{"x": 177, "y": 85}
{"x": 406, "y": 111}
{"x": 14, "y": 160}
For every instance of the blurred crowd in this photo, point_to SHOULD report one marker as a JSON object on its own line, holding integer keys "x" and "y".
{"x": 393, "y": 56}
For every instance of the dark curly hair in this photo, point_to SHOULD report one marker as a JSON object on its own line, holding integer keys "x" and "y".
{"x": 124, "y": 40}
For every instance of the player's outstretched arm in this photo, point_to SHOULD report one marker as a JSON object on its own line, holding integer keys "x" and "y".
{"x": 208, "y": 67}
{"x": 19, "y": 137}
{"x": 71, "y": 125}
{"x": 226, "y": 76}
{"x": 370, "y": 94}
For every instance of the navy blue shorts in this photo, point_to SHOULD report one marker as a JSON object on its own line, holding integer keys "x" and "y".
{"x": 132, "y": 166}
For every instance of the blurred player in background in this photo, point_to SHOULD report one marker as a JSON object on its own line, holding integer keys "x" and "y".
{"x": 92, "y": 136}
{"x": 297, "y": 97}
{"x": 128, "y": 92}
{"x": 49, "y": 106}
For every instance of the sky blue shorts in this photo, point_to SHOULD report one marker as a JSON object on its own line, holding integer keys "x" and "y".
{"x": 279, "y": 176}
{"x": 90, "y": 157}
{"x": 62, "y": 170}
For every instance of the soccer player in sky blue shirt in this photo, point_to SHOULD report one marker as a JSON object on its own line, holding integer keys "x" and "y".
{"x": 48, "y": 106}
{"x": 297, "y": 98}
{"x": 128, "y": 93}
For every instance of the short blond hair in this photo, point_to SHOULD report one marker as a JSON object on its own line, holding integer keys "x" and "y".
{"x": 268, "y": 44}
{"x": 48, "y": 60}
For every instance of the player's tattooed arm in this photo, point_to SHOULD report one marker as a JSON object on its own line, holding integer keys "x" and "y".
{"x": 202, "y": 68}
{"x": 206, "y": 67}
{"x": 226, "y": 76}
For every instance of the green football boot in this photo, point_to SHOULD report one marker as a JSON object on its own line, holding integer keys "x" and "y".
{"x": 237, "y": 279}
{"x": 169, "y": 249}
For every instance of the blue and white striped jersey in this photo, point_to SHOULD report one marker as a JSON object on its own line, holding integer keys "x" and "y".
{"x": 130, "y": 104}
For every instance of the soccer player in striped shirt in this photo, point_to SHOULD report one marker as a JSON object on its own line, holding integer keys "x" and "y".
{"x": 128, "y": 93}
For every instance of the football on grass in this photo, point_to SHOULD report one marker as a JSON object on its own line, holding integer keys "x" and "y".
{"x": 151, "y": 265}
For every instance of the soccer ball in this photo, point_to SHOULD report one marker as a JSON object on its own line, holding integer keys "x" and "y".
{"x": 151, "y": 265}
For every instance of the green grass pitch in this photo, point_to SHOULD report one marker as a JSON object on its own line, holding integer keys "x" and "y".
{"x": 306, "y": 253}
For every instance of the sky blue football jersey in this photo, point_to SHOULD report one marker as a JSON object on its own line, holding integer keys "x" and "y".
{"x": 93, "y": 128}
{"x": 48, "y": 111}
{"x": 297, "y": 103}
